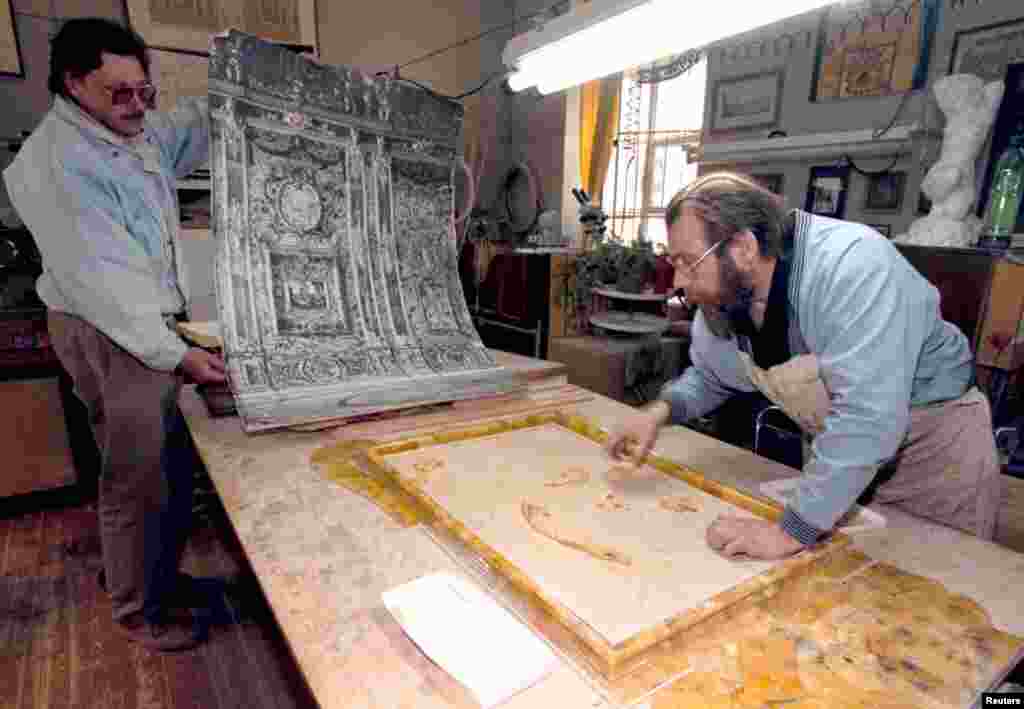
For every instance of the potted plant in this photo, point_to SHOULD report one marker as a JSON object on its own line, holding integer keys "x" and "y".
{"x": 612, "y": 264}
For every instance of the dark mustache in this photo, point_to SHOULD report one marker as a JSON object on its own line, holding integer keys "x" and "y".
{"x": 134, "y": 116}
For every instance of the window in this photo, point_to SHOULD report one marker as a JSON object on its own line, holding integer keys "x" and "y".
{"x": 659, "y": 128}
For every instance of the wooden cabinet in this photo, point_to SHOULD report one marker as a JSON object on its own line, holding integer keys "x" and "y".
{"x": 33, "y": 437}
{"x": 982, "y": 294}
{"x": 1001, "y": 330}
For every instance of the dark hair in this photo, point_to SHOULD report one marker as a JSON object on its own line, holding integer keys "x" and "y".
{"x": 78, "y": 47}
{"x": 728, "y": 203}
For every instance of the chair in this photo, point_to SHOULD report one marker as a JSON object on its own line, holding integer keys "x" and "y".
{"x": 788, "y": 448}
{"x": 1008, "y": 444}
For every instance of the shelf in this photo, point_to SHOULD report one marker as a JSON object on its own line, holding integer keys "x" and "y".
{"x": 621, "y": 295}
{"x": 632, "y": 323}
{"x": 818, "y": 146}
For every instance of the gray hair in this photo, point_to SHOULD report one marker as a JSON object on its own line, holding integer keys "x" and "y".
{"x": 728, "y": 203}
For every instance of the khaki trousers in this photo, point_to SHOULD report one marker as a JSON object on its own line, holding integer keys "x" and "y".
{"x": 947, "y": 469}
{"x": 148, "y": 463}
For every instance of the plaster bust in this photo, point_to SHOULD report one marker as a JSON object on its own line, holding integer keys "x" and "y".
{"x": 970, "y": 106}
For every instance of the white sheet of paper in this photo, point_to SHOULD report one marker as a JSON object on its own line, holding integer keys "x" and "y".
{"x": 470, "y": 636}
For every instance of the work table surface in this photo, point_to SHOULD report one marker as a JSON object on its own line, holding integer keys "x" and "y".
{"x": 323, "y": 555}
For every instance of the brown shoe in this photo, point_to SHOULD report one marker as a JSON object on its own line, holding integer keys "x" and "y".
{"x": 169, "y": 636}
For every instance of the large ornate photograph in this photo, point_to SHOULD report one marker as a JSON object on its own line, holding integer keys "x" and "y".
{"x": 191, "y": 24}
{"x": 337, "y": 280}
{"x": 987, "y": 51}
{"x": 751, "y": 101}
{"x": 10, "y": 49}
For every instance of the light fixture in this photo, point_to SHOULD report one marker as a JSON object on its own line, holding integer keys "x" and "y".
{"x": 605, "y": 36}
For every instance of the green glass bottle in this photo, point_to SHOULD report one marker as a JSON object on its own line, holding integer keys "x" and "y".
{"x": 1005, "y": 195}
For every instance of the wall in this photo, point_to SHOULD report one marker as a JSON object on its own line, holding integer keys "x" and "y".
{"x": 505, "y": 128}
{"x": 792, "y": 47}
{"x": 26, "y": 100}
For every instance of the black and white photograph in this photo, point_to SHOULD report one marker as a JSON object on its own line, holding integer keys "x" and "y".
{"x": 826, "y": 191}
{"x": 751, "y": 101}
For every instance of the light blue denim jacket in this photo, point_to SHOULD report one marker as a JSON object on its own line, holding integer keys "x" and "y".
{"x": 882, "y": 346}
{"x": 103, "y": 210}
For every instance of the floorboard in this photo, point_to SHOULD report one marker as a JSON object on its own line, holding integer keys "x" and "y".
{"x": 60, "y": 649}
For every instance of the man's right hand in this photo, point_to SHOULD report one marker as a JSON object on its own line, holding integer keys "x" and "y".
{"x": 633, "y": 437}
{"x": 204, "y": 367}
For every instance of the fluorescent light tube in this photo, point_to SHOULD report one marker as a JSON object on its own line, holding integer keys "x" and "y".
{"x": 614, "y": 36}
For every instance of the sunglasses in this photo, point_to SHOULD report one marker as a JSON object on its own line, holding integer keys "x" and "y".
{"x": 123, "y": 95}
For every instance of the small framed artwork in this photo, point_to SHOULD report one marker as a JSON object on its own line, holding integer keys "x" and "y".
{"x": 772, "y": 182}
{"x": 885, "y": 192}
{"x": 987, "y": 51}
{"x": 826, "y": 191}
{"x": 751, "y": 101}
{"x": 883, "y": 229}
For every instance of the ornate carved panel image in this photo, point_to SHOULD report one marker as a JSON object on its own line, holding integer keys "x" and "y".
{"x": 336, "y": 274}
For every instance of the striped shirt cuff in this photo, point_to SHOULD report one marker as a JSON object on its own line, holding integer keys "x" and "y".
{"x": 676, "y": 404}
{"x": 794, "y": 525}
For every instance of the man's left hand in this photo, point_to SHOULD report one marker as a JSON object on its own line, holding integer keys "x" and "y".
{"x": 734, "y": 537}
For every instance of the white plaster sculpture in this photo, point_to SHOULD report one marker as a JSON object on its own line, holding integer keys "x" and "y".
{"x": 970, "y": 107}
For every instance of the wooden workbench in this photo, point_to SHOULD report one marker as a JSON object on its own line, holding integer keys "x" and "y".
{"x": 323, "y": 556}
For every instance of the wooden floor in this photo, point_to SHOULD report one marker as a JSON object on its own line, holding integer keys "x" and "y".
{"x": 59, "y": 647}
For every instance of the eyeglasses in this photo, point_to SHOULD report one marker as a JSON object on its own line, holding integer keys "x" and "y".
{"x": 123, "y": 95}
{"x": 692, "y": 268}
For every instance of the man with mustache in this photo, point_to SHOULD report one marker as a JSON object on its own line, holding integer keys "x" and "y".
{"x": 831, "y": 323}
{"x": 96, "y": 185}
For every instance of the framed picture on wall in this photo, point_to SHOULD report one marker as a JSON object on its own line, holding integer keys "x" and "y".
{"x": 190, "y": 24}
{"x": 751, "y": 101}
{"x": 883, "y": 229}
{"x": 826, "y": 191}
{"x": 867, "y": 50}
{"x": 987, "y": 51}
{"x": 773, "y": 182}
{"x": 885, "y": 192}
{"x": 10, "y": 48}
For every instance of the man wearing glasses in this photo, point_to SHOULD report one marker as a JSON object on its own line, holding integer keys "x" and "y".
{"x": 832, "y": 324}
{"x": 96, "y": 185}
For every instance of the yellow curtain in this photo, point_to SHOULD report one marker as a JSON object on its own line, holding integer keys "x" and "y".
{"x": 599, "y": 122}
